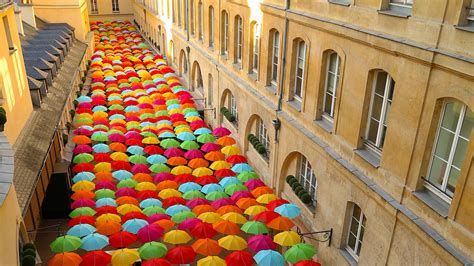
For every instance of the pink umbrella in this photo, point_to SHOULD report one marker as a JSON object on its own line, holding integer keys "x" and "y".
{"x": 150, "y": 232}
{"x": 117, "y": 137}
{"x": 210, "y": 146}
{"x": 82, "y": 149}
{"x": 189, "y": 223}
{"x": 254, "y": 183}
{"x": 176, "y": 116}
{"x": 83, "y": 131}
{"x": 140, "y": 168}
{"x": 133, "y": 135}
{"x": 132, "y": 118}
{"x": 221, "y": 131}
{"x": 84, "y": 105}
{"x": 125, "y": 191}
{"x": 260, "y": 242}
{"x": 157, "y": 216}
{"x": 105, "y": 184}
{"x": 172, "y": 152}
{"x": 195, "y": 202}
{"x": 162, "y": 177}
{"x": 221, "y": 202}
{"x": 83, "y": 203}
{"x": 241, "y": 194}
{"x": 145, "y": 106}
{"x": 193, "y": 154}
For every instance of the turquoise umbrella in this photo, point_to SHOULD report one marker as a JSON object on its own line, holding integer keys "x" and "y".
{"x": 105, "y": 202}
{"x": 202, "y": 130}
{"x": 166, "y": 134}
{"x": 132, "y": 108}
{"x": 150, "y": 202}
{"x": 186, "y": 136}
{"x": 211, "y": 188}
{"x": 83, "y": 176}
{"x": 101, "y": 147}
{"x": 156, "y": 159}
{"x": 229, "y": 181}
{"x": 135, "y": 150}
{"x": 116, "y": 116}
{"x": 133, "y": 225}
{"x": 84, "y": 99}
{"x": 99, "y": 108}
{"x": 81, "y": 230}
{"x": 269, "y": 257}
{"x": 289, "y": 210}
{"x": 122, "y": 174}
{"x": 172, "y": 210}
{"x": 189, "y": 186}
{"x": 94, "y": 241}
{"x": 191, "y": 114}
{"x": 241, "y": 167}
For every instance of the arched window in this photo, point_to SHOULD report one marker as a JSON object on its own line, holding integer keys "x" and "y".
{"x": 275, "y": 56}
{"x": 449, "y": 151}
{"x": 232, "y": 105}
{"x": 356, "y": 230}
{"x": 300, "y": 62}
{"x": 238, "y": 39}
{"x": 333, "y": 72}
{"x": 262, "y": 135}
{"x": 183, "y": 63}
{"x": 211, "y": 26}
{"x": 197, "y": 83}
{"x": 201, "y": 21}
{"x": 225, "y": 33}
{"x": 306, "y": 177}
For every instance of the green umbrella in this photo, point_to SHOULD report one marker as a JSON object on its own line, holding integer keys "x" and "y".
{"x": 133, "y": 126}
{"x": 82, "y": 211}
{"x": 232, "y": 188}
{"x": 189, "y": 145}
{"x": 162, "y": 113}
{"x": 172, "y": 101}
{"x": 115, "y": 131}
{"x": 100, "y": 136}
{"x": 116, "y": 107}
{"x": 160, "y": 168}
{"x": 137, "y": 159}
{"x": 193, "y": 194}
{"x": 65, "y": 244}
{"x": 254, "y": 228}
{"x": 247, "y": 175}
{"x": 147, "y": 82}
{"x": 146, "y": 115}
{"x": 153, "y": 210}
{"x": 134, "y": 79}
{"x": 131, "y": 183}
{"x": 169, "y": 143}
{"x": 299, "y": 252}
{"x": 189, "y": 110}
{"x": 215, "y": 195}
{"x": 181, "y": 216}
{"x": 95, "y": 84}
{"x": 147, "y": 134}
{"x": 104, "y": 127}
{"x": 84, "y": 120}
{"x": 152, "y": 250}
{"x": 181, "y": 126}
{"x": 104, "y": 193}
{"x": 83, "y": 158}
{"x": 205, "y": 138}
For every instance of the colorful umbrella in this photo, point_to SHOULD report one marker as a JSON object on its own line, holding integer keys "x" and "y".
{"x": 152, "y": 250}
{"x": 300, "y": 252}
{"x": 65, "y": 259}
{"x": 242, "y": 258}
{"x": 96, "y": 257}
{"x": 176, "y": 237}
{"x": 211, "y": 261}
{"x": 254, "y": 228}
{"x": 260, "y": 242}
{"x": 287, "y": 238}
{"x": 232, "y": 242}
{"x": 65, "y": 243}
{"x": 206, "y": 247}
{"x": 94, "y": 241}
{"x": 125, "y": 256}
{"x": 269, "y": 257}
{"x": 181, "y": 255}
{"x": 122, "y": 239}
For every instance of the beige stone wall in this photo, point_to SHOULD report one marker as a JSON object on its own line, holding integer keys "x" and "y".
{"x": 105, "y": 12}
{"x": 428, "y": 58}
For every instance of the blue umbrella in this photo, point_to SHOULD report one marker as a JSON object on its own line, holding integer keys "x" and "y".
{"x": 211, "y": 188}
{"x": 116, "y": 116}
{"x": 144, "y": 124}
{"x": 105, "y": 202}
{"x": 191, "y": 114}
{"x": 167, "y": 134}
{"x": 268, "y": 257}
{"x": 229, "y": 180}
{"x": 99, "y": 108}
{"x": 289, "y": 210}
{"x": 172, "y": 210}
{"x": 241, "y": 167}
{"x": 189, "y": 186}
{"x": 132, "y": 108}
{"x": 150, "y": 202}
{"x": 174, "y": 106}
{"x": 101, "y": 147}
{"x": 81, "y": 230}
{"x": 83, "y": 176}
{"x": 133, "y": 225}
{"x": 186, "y": 136}
{"x": 122, "y": 174}
{"x": 161, "y": 122}
{"x": 87, "y": 127}
{"x": 94, "y": 241}
{"x": 83, "y": 99}
{"x": 202, "y": 130}
{"x": 135, "y": 150}
{"x": 156, "y": 158}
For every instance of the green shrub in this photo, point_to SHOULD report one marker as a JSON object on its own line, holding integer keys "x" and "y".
{"x": 299, "y": 194}
{"x": 298, "y": 190}
{"x": 28, "y": 261}
{"x": 223, "y": 109}
{"x": 29, "y": 252}
{"x": 72, "y": 113}
{"x": 305, "y": 198}
{"x": 292, "y": 181}
{"x": 75, "y": 102}
{"x": 249, "y": 137}
{"x": 2, "y": 111}
{"x": 83, "y": 79}
{"x": 262, "y": 150}
{"x": 65, "y": 139}
{"x": 231, "y": 118}
{"x": 295, "y": 185}
{"x": 3, "y": 116}
{"x": 78, "y": 93}
{"x": 68, "y": 126}
{"x": 288, "y": 178}
{"x": 29, "y": 246}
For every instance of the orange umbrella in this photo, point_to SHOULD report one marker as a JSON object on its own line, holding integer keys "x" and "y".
{"x": 103, "y": 176}
{"x": 225, "y": 141}
{"x": 199, "y": 209}
{"x": 281, "y": 223}
{"x": 167, "y": 184}
{"x": 81, "y": 139}
{"x": 198, "y": 162}
{"x": 214, "y": 156}
{"x": 142, "y": 177}
{"x": 228, "y": 208}
{"x": 117, "y": 146}
{"x": 177, "y": 160}
{"x": 244, "y": 203}
{"x": 127, "y": 200}
{"x": 206, "y": 247}
{"x": 83, "y": 194}
{"x": 108, "y": 227}
{"x": 226, "y": 227}
{"x": 261, "y": 191}
{"x": 165, "y": 223}
{"x": 66, "y": 258}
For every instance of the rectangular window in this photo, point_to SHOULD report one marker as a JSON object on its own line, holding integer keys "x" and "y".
{"x": 238, "y": 32}
{"x": 401, "y": 6}
{"x": 211, "y": 27}
{"x": 179, "y": 13}
{"x": 201, "y": 21}
{"x": 299, "y": 71}
{"x": 256, "y": 47}
{"x": 262, "y": 135}
{"x": 332, "y": 80}
{"x": 470, "y": 16}
{"x": 9, "y": 38}
{"x": 192, "y": 16}
{"x": 403, "y": 3}
{"x": 115, "y": 6}
{"x": 233, "y": 106}
{"x": 307, "y": 177}
{"x": 186, "y": 14}
{"x": 173, "y": 11}
{"x": 94, "y": 7}
{"x": 356, "y": 232}
{"x": 275, "y": 56}
{"x": 225, "y": 33}
{"x": 379, "y": 111}
{"x": 452, "y": 141}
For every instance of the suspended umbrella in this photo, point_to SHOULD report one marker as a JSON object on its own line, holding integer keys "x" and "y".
{"x": 203, "y": 230}
{"x": 280, "y": 223}
{"x": 261, "y": 242}
{"x": 287, "y": 238}
{"x": 149, "y": 233}
{"x": 82, "y": 211}
{"x": 65, "y": 243}
{"x": 96, "y": 258}
{"x": 232, "y": 242}
{"x": 235, "y": 159}
{"x": 234, "y": 217}
{"x": 206, "y": 247}
{"x": 125, "y": 256}
{"x": 152, "y": 250}
{"x": 192, "y": 154}
{"x": 211, "y": 261}
{"x": 66, "y": 258}
{"x": 176, "y": 237}
{"x": 266, "y": 216}
{"x": 288, "y": 210}
{"x": 81, "y": 220}
{"x": 189, "y": 145}
{"x": 181, "y": 255}
{"x": 169, "y": 143}
{"x": 210, "y": 217}
{"x": 221, "y": 131}
{"x": 230, "y": 150}
{"x": 81, "y": 230}
{"x": 133, "y": 225}
{"x": 226, "y": 227}
{"x": 156, "y": 262}
{"x": 206, "y": 138}
{"x": 299, "y": 252}
{"x": 307, "y": 263}
{"x": 94, "y": 241}
{"x": 254, "y": 228}
{"x": 243, "y": 258}
{"x": 122, "y": 239}
{"x": 269, "y": 257}
{"x": 247, "y": 175}
{"x": 255, "y": 210}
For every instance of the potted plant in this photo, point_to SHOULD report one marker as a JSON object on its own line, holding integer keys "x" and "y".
{"x": 3, "y": 118}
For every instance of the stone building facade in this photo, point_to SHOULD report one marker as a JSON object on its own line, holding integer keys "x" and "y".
{"x": 102, "y": 10}
{"x": 367, "y": 103}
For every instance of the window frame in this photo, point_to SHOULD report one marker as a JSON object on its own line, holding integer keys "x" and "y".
{"x": 179, "y": 13}
{"x": 239, "y": 31}
{"x": 295, "y": 96}
{"x": 201, "y": 21}
{"x": 225, "y": 33}
{"x": 233, "y": 106}
{"x": 337, "y": 75}
{"x": 211, "y": 26}
{"x": 274, "y": 75}
{"x": 360, "y": 220}
{"x": 262, "y": 135}
{"x": 305, "y": 175}
{"x": 115, "y": 6}
{"x": 94, "y": 7}
{"x": 402, "y": 5}
{"x": 255, "y": 47}
{"x": 192, "y": 17}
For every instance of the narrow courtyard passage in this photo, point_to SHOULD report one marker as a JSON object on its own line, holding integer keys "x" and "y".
{"x": 153, "y": 184}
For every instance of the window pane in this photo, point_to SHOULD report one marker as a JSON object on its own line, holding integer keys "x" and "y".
{"x": 356, "y": 212}
{"x": 381, "y": 82}
{"x": 451, "y": 115}
{"x": 438, "y": 169}
{"x": 351, "y": 241}
{"x": 373, "y": 130}
{"x": 328, "y": 104}
{"x": 460, "y": 152}
{"x": 452, "y": 180}
{"x": 358, "y": 248}
{"x": 330, "y": 82}
{"x": 333, "y": 62}
{"x": 298, "y": 87}
{"x": 377, "y": 107}
{"x": 445, "y": 142}
{"x": 468, "y": 122}
{"x": 354, "y": 226}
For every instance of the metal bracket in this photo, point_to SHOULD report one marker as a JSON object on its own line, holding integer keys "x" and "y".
{"x": 327, "y": 235}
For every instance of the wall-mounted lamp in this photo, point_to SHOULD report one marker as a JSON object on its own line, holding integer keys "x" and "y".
{"x": 276, "y": 125}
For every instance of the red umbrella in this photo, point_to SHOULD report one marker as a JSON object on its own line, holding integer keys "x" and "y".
{"x": 122, "y": 239}
{"x": 181, "y": 255}
{"x": 125, "y": 191}
{"x": 121, "y": 165}
{"x": 172, "y": 152}
{"x": 134, "y": 142}
{"x": 102, "y": 157}
{"x": 203, "y": 230}
{"x": 260, "y": 242}
{"x": 173, "y": 201}
{"x": 83, "y": 203}
{"x": 96, "y": 258}
{"x": 83, "y": 167}
{"x": 307, "y": 263}
{"x": 183, "y": 178}
{"x": 106, "y": 209}
{"x": 224, "y": 172}
{"x": 266, "y": 216}
{"x": 241, "y": 194}
{"x": 82, "y": 148}
{"x": 150, "y": 232}
{"x": 146, "y": 194}
{"x": 156, "y": 262}
{"x": 81, "y": 220}
{"x": 153, "y": 149}
{"x": 210, "y": 146}
{"x": 234, "y": 159}
{"x": 274, "y": 203}
{"x": 254, "y": 183}
{"x": 156, "y": 217}
{"x": 221, "y": 202}
{"x": 105, "y": 184}
{"x": 242, "y": 258}
{"x": 133, "y": 215}
{"x": 207, "y": 179}
{"x": 189, "y": 223}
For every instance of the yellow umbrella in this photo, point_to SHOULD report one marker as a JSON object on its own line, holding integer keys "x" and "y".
{"x": 84, "y": 115}
{"x": 209, "y": 217}
{"x": 175, "y": 111}
{"x": 287, "y": 238}
{"x": 233, "y": 242}
{"x": 192, "y": 119}
{"x": 118, "y": 121}
{"x": 202, "y": 171}
{"x": 126, "y": 208}
{"x": 176, "y": 237}
{"x": 83, "y": 185}
{"x": 266, "y": 198}
{"x": 100, "y": 114}
{"x": 178, "y": 170}
{"x": 119, "y": 156}
{"x": 168, "y": 193}
{"x": 255, "y": 209}
{"x": 230, "y": 150}
{"x": 183, "y": 129}
{"x": 234, "y": 217}
{"x": 150, "y": 140}
{"x": 145, "y": 186}
{"x": 124, "y": 257}
{"x": 109, "y": 217}
{"x": 211, "y": 261}
{"x": 103, "y": 167}
{"x": 220, "y": 165}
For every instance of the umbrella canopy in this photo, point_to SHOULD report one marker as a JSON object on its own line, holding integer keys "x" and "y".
{"x": 181, "y": 255}
{"x": 300, "y": 252}
{"x": 211, "y": 261}
{"x": 65, "y": 243}
{"x": 206, "y": 247}
{"x": 261, "y": 242}
{"x": 125, "y": 256}
{"x": 287, "y": 238}
{"x": 152, "y": 250}
{"x": 232, "y": 242}
{"x": 66, "y": 258}
{"x": 254, "y": 228}
{"x": 269, "y": 257}
{"x": 96, "y": 257}
{"x": 243, "y": 258}
{"x": 122, "y": 239}
{"x": 288, "y": 210}
{"x": 94, "y": 241}
{"x": 176, "y": 237}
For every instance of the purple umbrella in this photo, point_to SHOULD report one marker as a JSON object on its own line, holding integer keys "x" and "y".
{"x": 241, "y": 194}
{"x": 162, "y": 177}
{"x": 260, "y": 242}
{"x": 221, "y": 131}
{"x": 83, "y": 203}
{"x": 140, "y": 168}
{"x": 82, "y": 149}
{"x": 195, "y": 202}
{"x": 125, "y": 191}
{"x": 150, "y": 232}
{"x": 189, "y": 223}
{"x": 157, "y": 216}
{"x": 105, "y": 184}
{"x": 210, "y": 146}
{"x": 193, "y": 154}
{"x": 254, "y": 183}
{"x": 173, "y": 152}
{"x": 221, "y": 202}
{"x": 117, "y": 137}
